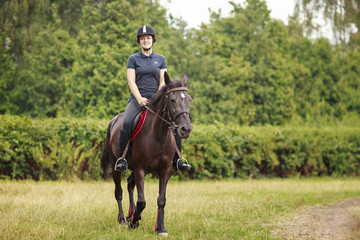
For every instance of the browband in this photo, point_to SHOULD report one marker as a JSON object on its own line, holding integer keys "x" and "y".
{"x": 177, "y": 89}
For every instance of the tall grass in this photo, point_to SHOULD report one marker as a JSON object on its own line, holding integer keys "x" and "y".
{"x": 236, "y": 209}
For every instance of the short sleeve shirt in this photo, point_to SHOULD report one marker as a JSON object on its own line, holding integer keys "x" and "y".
{"x": 147, "y": 71}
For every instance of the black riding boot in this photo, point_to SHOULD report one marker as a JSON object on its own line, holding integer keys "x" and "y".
{"x": 179, "y": 164}
{"x": 122, "y": 164}
{"x": 177, "y": 161}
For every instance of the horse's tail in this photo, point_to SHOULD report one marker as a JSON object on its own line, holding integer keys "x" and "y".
{"x": 105, "y": 158}
{"x": 105, "y": 155}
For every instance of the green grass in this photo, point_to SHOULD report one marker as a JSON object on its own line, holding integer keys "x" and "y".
{"x": 233, "y": 209}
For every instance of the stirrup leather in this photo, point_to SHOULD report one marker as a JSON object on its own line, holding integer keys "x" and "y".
{"x": 123, "y": 158}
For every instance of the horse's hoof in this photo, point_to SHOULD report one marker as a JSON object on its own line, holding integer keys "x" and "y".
{"x": 122, "y": 221}
{"x": 133, "y": 225}
{"x": 163, "y": 234}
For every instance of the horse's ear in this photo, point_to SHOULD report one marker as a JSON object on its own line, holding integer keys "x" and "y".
{"x": 167, "y": 78}
{"x": 185, "y": 79}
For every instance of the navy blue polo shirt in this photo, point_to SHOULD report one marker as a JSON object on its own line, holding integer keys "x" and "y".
{"x": 147, "y": 70}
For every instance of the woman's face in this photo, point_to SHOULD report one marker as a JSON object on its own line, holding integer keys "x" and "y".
{"x": 146, "y": 42}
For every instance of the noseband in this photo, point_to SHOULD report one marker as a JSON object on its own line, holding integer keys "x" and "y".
{"x": 171, "y": 121}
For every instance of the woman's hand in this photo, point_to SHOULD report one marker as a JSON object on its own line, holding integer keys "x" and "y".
{"x": 143, "y": 101}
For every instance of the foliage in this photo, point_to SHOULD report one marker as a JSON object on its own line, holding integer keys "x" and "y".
{"x": 218, "y": 151}
{"x": 50, "y": 149}
{"x": 66, "y": 148}
{"x": 7, "y": 73}
{"x": 251, "y": 82}
{"x": 342, "y": 14}
{"x": 68, "y": 59}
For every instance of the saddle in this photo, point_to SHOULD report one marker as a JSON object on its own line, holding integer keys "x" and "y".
{"x": 137, "y": 122}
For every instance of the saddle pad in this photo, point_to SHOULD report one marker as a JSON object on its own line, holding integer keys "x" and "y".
{"x": 139, "y": 124}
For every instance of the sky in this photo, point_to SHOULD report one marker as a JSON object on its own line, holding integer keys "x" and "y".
{"x": 195, "y": 12}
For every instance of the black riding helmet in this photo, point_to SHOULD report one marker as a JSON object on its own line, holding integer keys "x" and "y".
{"x": 146, "y": 30}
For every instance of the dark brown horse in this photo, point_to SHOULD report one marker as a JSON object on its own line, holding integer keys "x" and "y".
{"x": 152, "y": 150}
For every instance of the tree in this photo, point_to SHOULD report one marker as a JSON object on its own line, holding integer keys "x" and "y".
{"x": 7, "y": 73}
{"x": 247, "y": 77}
{"x": 68, "y": 58}
{"x": 344, "y": 16}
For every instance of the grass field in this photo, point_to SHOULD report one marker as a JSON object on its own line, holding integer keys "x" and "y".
{"x": 233, "y": 209}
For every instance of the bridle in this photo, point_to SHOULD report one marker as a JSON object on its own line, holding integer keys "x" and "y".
{"x": 171, "y": 120}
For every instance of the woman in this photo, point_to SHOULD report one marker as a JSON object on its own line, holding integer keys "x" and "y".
{"x": 145, "y": 74}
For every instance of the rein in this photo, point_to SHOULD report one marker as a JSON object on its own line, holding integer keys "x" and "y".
{"x": 171, "y": 122}
{"x": 173, "y": 125}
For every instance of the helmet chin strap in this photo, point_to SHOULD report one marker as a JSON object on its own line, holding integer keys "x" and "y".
{"x": 148, "y": 49}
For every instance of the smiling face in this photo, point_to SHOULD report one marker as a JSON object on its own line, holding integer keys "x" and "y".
{"x": 146, "y": 42}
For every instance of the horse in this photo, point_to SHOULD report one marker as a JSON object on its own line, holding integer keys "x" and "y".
{"x": 153, "y": 149}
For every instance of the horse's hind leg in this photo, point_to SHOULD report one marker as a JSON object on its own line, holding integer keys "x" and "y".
{"x": 131, "y": 187}
{"x": 118, "y": 196}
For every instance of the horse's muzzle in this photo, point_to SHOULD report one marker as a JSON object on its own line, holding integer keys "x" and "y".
{"x": 185, "y": 130}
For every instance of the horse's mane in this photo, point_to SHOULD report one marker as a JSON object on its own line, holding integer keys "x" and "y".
{"x": 158, "y": 95}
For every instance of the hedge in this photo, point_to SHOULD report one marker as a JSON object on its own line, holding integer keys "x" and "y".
{"x": 218, "y": 151}
{"x": 51, "y": 149}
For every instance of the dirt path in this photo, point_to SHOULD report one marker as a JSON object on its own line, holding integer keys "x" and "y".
{"x": 338, "y": 221}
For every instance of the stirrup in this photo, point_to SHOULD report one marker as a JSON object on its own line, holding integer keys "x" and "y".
{"x": 180, "y": 159}
{"x": 126, "y": 165}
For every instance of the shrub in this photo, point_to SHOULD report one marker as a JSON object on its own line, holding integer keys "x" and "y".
{"x": 217, "y": 151}
{"x": 51, "y": 149}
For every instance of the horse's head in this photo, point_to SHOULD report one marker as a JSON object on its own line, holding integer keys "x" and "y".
{"x": 177, "y": 100}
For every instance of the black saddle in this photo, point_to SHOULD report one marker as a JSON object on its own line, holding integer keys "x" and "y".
{"x": 135, "y": 120}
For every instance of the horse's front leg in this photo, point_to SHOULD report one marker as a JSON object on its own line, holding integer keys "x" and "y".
{"x": 130, "y": 187}
{"x": 141, "y": 203}
{"x": 118, "y": 195}
{"x": 161, "y": 201}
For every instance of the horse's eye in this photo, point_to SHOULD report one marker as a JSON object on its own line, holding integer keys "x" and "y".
{"x": 173, "y": 100}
